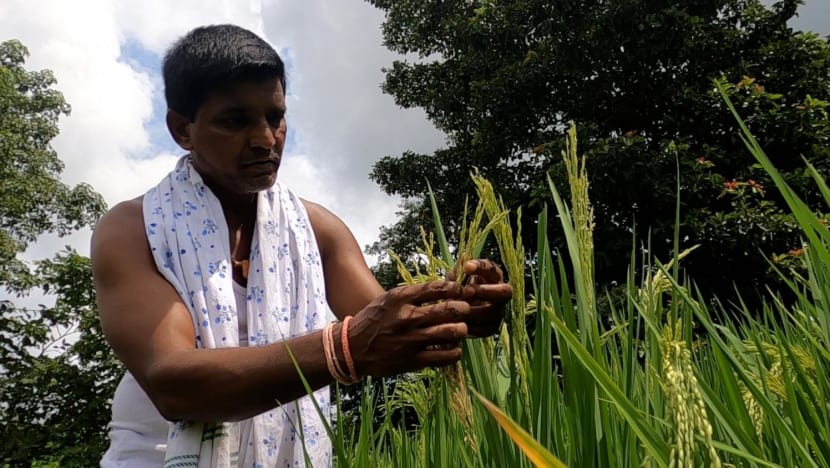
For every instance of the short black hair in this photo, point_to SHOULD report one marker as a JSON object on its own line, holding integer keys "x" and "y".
{"x": 211, "y": 58}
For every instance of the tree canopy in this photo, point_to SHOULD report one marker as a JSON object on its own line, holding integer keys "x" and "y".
{"x": 33, "y": 200}
{"x": 503, "y": 78}
{"x": 57, "y": 373}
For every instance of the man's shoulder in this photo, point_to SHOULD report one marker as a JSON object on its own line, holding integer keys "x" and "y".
{"x": 329, "y": 230}
{"x": 120, "y": 227}
{"x": 127, "y": 212}
{"x": 321, "y": 219}
{"x": 313, "y": 208}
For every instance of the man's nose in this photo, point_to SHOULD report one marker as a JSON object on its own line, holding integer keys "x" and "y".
{"x": 264, "y": 136}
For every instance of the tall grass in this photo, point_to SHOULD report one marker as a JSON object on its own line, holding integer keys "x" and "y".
{"x": 636, "y": 385}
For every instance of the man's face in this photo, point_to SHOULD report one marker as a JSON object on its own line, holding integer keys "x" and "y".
{"x": 238, "y": 135}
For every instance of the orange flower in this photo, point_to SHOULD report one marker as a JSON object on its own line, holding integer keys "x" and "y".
{"x": 756, "y": 187}
{"x": 731, "y": 186}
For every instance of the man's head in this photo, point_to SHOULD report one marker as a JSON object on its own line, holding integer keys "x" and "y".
{"x": 212, "y": 58}
{"x": 225, "y": 87}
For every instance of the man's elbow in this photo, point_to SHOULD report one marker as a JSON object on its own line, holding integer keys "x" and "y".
{"x": 170, "y": 392}
{"x": 179, "y": 394}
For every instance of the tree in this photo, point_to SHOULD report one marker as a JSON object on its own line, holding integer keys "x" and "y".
{"x": 503, "y": 78}
{"x": 57, "y": 374}
{"x": 33, "y": 200}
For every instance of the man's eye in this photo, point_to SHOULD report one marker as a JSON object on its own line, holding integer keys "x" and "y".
{"x": 275, "y": 119}
{"x": 232, "y": 121}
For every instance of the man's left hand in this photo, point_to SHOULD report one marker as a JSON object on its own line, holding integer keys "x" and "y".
{"x": 487, "y": 294}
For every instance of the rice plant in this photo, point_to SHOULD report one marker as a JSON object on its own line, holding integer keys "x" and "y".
{"x": 652, "y": 381}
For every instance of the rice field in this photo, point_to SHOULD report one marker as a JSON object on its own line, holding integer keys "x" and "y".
{"x": 655, "y": 382}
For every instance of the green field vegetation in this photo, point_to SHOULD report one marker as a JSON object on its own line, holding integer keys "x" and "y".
{"x": 654, "y": 380}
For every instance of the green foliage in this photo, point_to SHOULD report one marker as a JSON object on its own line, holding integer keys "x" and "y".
{"x": 33, "y": 200}
{"x": 57, "y": 373}
{"x": 502, "y": 79}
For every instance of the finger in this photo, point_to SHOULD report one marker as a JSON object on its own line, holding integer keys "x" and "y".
{"x": 486, "y": 315}
{"x": 482, "y": 331}
{"x": 489, "y": 271}
{"x": 485, "y": 311}
{"x": 428, "y": 292}
{"x": 500, "y": 292}
{"x": 440, "y": 313}
{"x": 437, "y": 357}
{"x": 474, "y": 279}
{"x": 446, "y": 333}
{"x": 485, "y": 319}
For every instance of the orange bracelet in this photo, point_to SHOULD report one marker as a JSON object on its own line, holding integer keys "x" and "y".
{"x": 344, "y": 376}
{"x": 331, "y": 357}
{"x": 344, "y": 342}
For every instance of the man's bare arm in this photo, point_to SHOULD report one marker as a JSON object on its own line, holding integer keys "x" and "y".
{"x": 350, "y": 284}
{"x": 151, "y": 331}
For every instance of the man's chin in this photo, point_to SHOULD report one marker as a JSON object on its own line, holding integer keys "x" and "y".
{"x": 265, "y": 183}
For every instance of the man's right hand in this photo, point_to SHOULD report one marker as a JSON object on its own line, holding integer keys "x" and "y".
{"x": 406, "y": 329}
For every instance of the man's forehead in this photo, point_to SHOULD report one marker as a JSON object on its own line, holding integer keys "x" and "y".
{"x": 245, "y": 93}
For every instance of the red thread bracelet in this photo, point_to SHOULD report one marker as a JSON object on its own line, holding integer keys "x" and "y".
{"x": 344, "y": 342}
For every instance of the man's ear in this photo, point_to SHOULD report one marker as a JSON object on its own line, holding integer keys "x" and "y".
{"x": 179, "y": 128}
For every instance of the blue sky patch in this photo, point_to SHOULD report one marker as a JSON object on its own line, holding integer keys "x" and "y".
{"x": 144, "y": 60}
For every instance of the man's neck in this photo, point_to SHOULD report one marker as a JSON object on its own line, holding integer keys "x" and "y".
{"x": 239, "y": 208}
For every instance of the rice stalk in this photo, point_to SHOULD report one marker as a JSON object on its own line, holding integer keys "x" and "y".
{"x": 756, "y": 412}
{"x": 472, "y": 238}
{"x": 657, "y": 283}
{"x": 774, "y": 375}
{"x": 583, "y": 216}
{"x": 515, "y": 338}
{"x": 635, "y": 390}
{"x": 684, "y": 400}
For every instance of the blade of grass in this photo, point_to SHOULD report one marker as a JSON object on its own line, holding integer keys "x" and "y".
{"x": 443, "y": 245}
{"x": 657, "y": 448}
{"x": 337, "y": 443}
{"x": 530, "y": 447}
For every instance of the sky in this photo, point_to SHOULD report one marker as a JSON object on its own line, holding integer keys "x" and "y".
{"x": 106, "y": 56}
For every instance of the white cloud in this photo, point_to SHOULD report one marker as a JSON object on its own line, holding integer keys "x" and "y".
{"x": 110, "y": 100}
{"x": 344, "y": 121}
{"x": 341, "y": 119}
{"x": 157, "y": 23}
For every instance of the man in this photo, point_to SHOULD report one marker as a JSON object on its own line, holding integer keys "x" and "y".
{"x": 217, "y": 281}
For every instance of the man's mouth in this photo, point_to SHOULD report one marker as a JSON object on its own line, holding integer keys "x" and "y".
{"x": 262, "y": 162}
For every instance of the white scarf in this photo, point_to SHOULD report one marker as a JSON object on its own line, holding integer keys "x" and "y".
{"x": 188, "y": 236}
